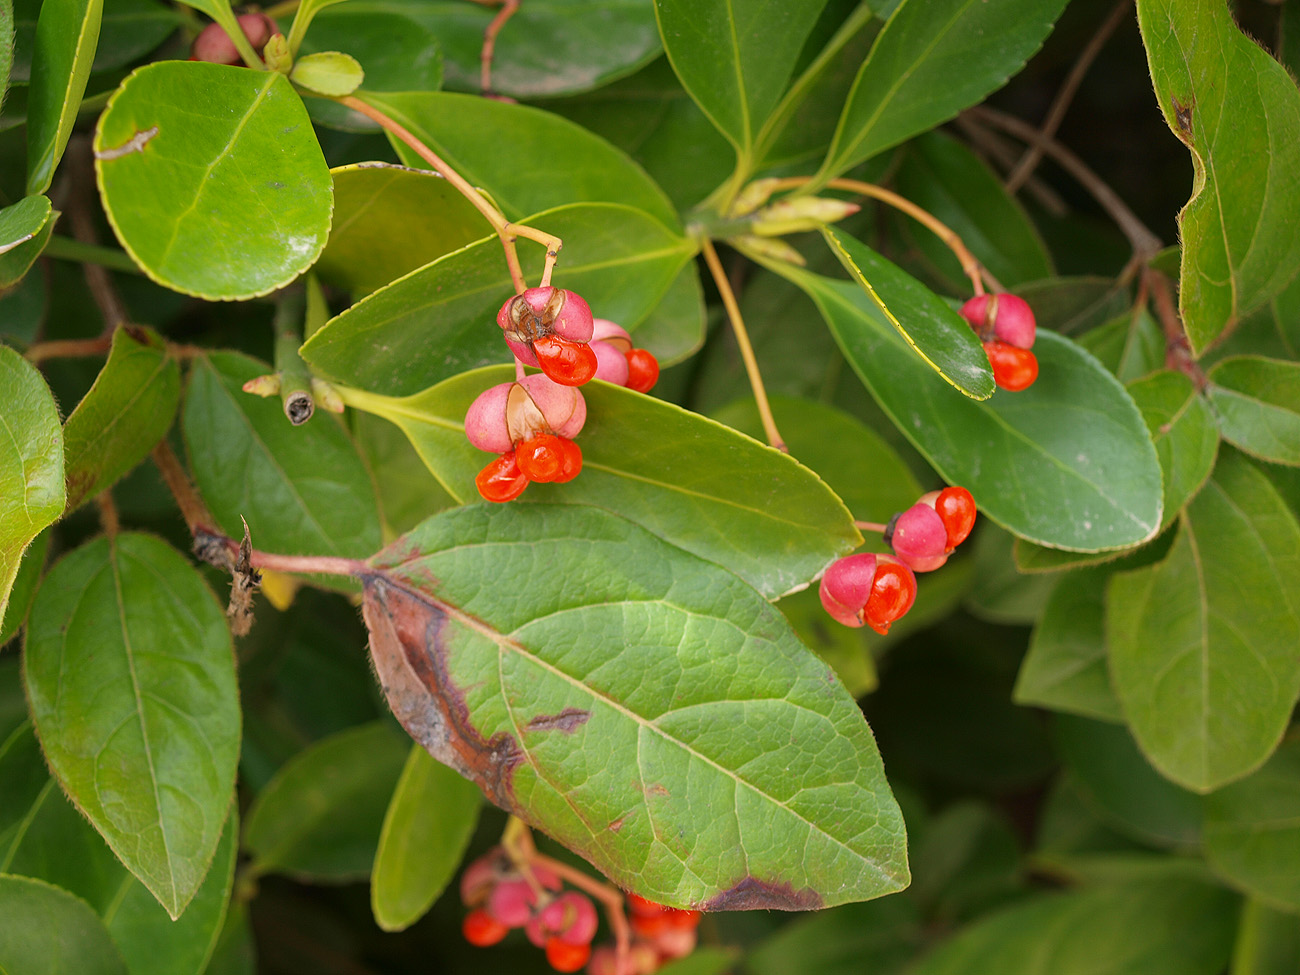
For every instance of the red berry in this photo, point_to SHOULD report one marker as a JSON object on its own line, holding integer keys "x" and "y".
{"x": 956, "y": 508}
{"x": 482, "y": 929}
{"x": 893, "y": 590}
{"x": 567, "y": 363}
{"x": 541, "y": 458}
{"x": 642, "y": 370}
{"x": 565, "y": 957}
{"x": 1014, "y": 368}
{"x": 501, "y": 480}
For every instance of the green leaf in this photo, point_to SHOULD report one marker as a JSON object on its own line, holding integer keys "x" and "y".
{"x": 1203, "y": 644}
{"x": 940, "y": 336}
{"x": 1238, "y": 112}
{"x": 47, "y": 931}
{"x": 706, "y": 960}
{"x": 877, "y": 937}
{"x": 23, "y": 221}
{"x": 1000, "y": 593}
{"x": 1252, "y": 831}
{"x": 330, "y": 73}
{"x": 6, "y": 45}
{"x": 441, "y": 320}
{"x": 735, "y": 57}
{"x": 128, "y": 410}
{"x": 1145, "y": 927}
{"x": 426, "y": 829}
{"x": 1257, "y": 402}
{"x": 66, "y": 34}
{"x": 212, "y": 178}
{"x": 130, "y": 676}
{"x": 1130, "y": 345}
{"x": 934, "y": 58}
{"x": 31, "y": 463}
{"x": 15, "y": 263}
{"x": 693, "y": 482}
{"x": 1182, "y": 428}
{"x": 624, "y": 688}
{"x": 846, "y": 650}
{"x": 1268, "y": 941}
{"x": 1065, "y": 669}
{"x": 493, "y": 143}
{"x": 675, "y": 329}
{"x": 408, "y": 491}
{"x": 302, "y": 490}
{"x": 24, "y": 587}
{"x": 374, "y": 240}
{"x": 319, "y": 819}
{"x": 943, "y": 176}
{"x": 1096, "y": 478}
{"x": 1114, "y": 777}
{"x": 130, "y": 29}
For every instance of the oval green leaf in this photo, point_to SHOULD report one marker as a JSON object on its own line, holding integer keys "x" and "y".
{"x": 697, "y": 484}
{"x": 331, "y": 73}
{"x": 22, "y": 221}
{"x": 66, "y": 34}
{"x": 1202, "y": 645}
{"x": 130, "y": 674}
{"x": 441, "y": 320}
{"x": 940, "y": 336}
{"x": 47, "y": 931}
{"x": 31, "y": 463}
{"x": 319, "y": 819}
{"x": 18, "y": 260}
{"x": 24, "y": 587}
{"x": 1097, "y": 476}
{"x": 1257, "y": 403}
{"x": 429, "y": 822}
{"x": 1182, "y": 428}
{"x": 212, "y": 178}
{"x": 128, "y": 410}
{"x": 644, "y": 707}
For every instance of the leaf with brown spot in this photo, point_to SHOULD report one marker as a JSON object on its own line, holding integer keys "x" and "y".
{"x": 644, "y": 707}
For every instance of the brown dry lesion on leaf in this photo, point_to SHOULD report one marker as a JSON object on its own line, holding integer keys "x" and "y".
{"x": 136, "y": 143}
{"x": 1183, "y": 117}
{"x": 752, "y": 894}
{"x": 568, "y": 721}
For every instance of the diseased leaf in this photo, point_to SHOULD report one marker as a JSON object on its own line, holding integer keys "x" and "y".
{"x": 441, "y": 319}
{"x": 212, "y": 178}
{"x": 47, "y": 931}
{"x": 66, "y": 34}
{"x": 23, "y": 221}
{"x": 1257, "y": 406}
{"x": 1202, "y": 645}
{"x": 17, "y": 261}
{"x": 1252, "y": 831}
{"x": 1182, "y": 428}
{"x": 31, "y": 463}
{"x": 130, "y": 675}
{"x": 544, "y": 652}
{"x": 128, "y": 410}
{"x": 693, "y": 482}
{"x": 934, "y": 58}
{"x": 1238, "y": 112}
{"x": 319, "y": 818}
{"x": 428, "y": 825}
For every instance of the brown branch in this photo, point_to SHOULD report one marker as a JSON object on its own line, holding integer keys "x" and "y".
{"x": 508, "y": 8}
{"x": 193, "y": 510}
{"x": 69, "y": 348}
{"x": 1178, "y": 352}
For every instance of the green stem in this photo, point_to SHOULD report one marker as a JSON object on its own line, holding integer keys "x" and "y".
{"x": 68, "y": 249}
{"x": 295, "y": 379}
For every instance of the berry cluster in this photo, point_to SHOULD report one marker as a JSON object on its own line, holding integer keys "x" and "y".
{"x": 660, "y": 935}
{"x": 877, "y": 590}
{"x": 531, "y": 424}
{"x": 1005, "y": 324}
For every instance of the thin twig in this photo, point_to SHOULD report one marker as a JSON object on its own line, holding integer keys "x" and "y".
{"x": 994, "y": 148}
{"x": 1061, "y": 104}
{"x": 746, "y": 349}
{"x": 870, "y": 526}
{"x": 69, "y": 348}
{"x": 193, "y": 510}
{"x": 1178, "y": 353}
{"x": 508, "y": 8}
{"x": 107, "y": 514}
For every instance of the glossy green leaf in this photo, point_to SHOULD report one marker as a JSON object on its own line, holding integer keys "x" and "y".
{"x": 1065, "y": 669}
{"x": 441, "y": 319}
{"x": 212, "y": 178}
{"x": 934, "y": 58}
{"x": 131, "y": 28}
{"x": 31, "y": 463}
{"x": 547, "y": 48}
{"x": 128, "y": 410}
{"x": 1238, "y": 112}
{"x": 47, "y": 931}
{"x": 302, "y": 490}
{"x": 66, "y": 34}
{"x": 735, "y": 57}
{"x": 331, "y": 73}
{"x": 408, "y": 491}
{"x": 846, "y": 650}
{"x": 1252, "y": 831}
{"x": 1000, "y": 593}
{"x": 320, "y": 817}
{"x": 943, "y": 176}
{"x": 1151, "y": 927}
{"x": 877, "y": 937}
{"x": 568, "y": 701}
{"x": 130, "y": 675}
{"x": 426, "y": 829}
{"x": 1203, "y": 644}
{"x": 1112, "y": 774}
{"x": 492, "y": 144}
{"x": 15, "y": 263}
{"x": 22, "y": 221}
{"x": 1131, "y": 346}
{"x": 693, "y": 482}
{"x": 302, "y": 20}
{"x": 24, "y": 587}
{"x": 1268, "y": 941}
{"x": 935, "y": 332}
{"x": 374, "y": 240}
{"x": 1257, "y": 406}
{"x": 1097, "y": 476}
{"x": 1182, "y": 428}
{"x": 6, "y": 45}
{"x": 675, "y": 328}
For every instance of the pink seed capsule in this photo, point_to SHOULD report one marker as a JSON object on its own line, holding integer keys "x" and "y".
{"x": 919, "y": 538}
{"x": 511, "y": 902}
{"x": 485, "y": 421}
{"x": 539, "y": 312}
{"x": 846, "y": 587}
{"x": 1013, "y": 321}
{"x": 611, "y": 364}
{"x": 562, "y": 407}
